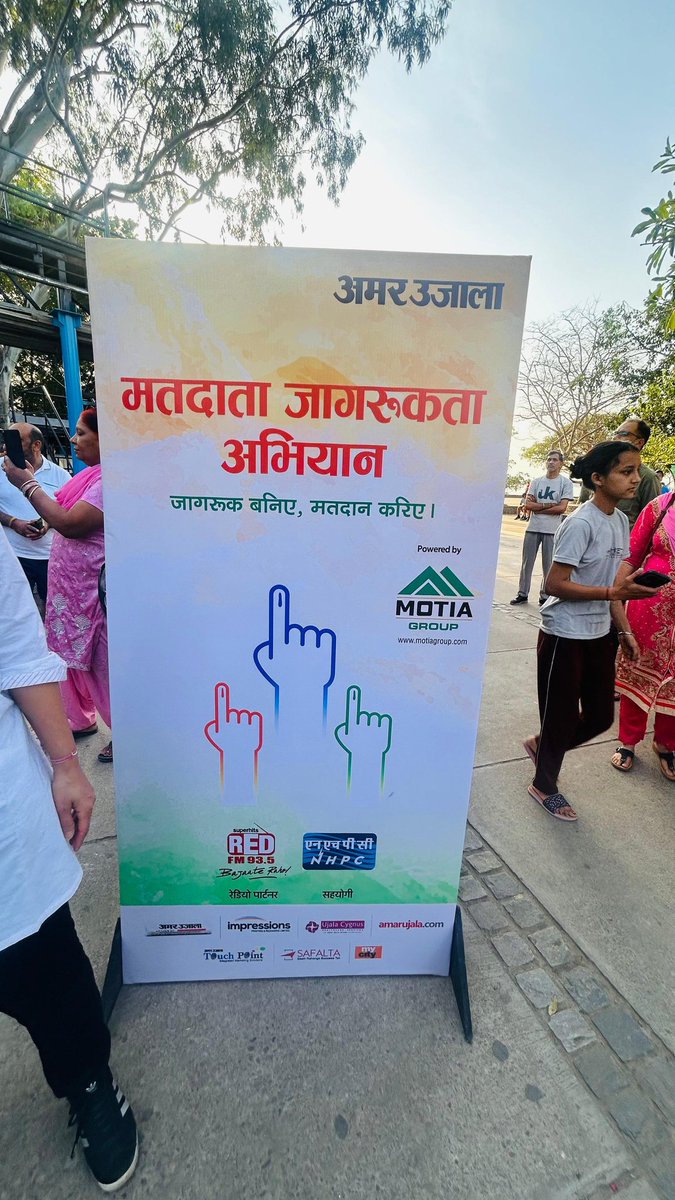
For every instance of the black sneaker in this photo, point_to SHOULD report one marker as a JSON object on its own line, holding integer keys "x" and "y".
{"x": 519, "y": 599}
{"x": 106, "y": 1128}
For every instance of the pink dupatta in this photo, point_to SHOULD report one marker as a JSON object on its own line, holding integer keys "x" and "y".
{"x": 72, "y": 491}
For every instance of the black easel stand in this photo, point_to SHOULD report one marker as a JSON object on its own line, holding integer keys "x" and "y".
{"x": 458, "y": 976}
{"x": 112, "y": 984}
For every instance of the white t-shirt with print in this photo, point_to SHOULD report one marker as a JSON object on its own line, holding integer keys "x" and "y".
{"x": 548, "y": 491}
{"x": 594, "y": 543}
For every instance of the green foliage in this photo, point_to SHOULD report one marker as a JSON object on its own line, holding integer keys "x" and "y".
{"x": 231, "y": 103}
{"x": 659, "y": 231}
{"x": 574, "y": 439}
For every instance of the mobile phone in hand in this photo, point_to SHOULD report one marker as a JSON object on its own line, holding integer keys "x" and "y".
{"x": 653, "y": 579}
{"x": 38, "y": 524}
{"x": 13, "y": 447}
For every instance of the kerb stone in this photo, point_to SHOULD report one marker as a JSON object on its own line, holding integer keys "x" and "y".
{"x": 657, "y": 1077}
{"x": 623, "y": 1033}
{"x": 470, "y": 888}
{"x": 502, "y": 885}
{"x": 636, "y": 1118}
{"x": 472, "y": 840}
{"x": 539, "y": 988}
{"x": 488, "y": 915}
{"x": 526, "y": 912}
{"x": 513, "y": 949}
{"x": 485, "y": 860}
{"x": 600, "y": 1071}
{"x": 572, "y": 1030}
{"x": 553, "y": 946}
{"x": 586, "y": 990}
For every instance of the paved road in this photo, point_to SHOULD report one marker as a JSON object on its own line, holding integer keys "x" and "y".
{"x": 354, "y": 1089}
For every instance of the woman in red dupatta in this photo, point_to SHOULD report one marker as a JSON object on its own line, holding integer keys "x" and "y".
{"x": 650, "y": 682}
{"x": 75, "y": 621}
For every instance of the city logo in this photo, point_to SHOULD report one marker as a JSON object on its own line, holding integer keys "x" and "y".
{"x": 250, "y": 845}
{"x": 258, "y": 925}
{"x": 439, "y": 595}
{"x": 368, "y": 952}
{"x": 339, "y": 851}
{"x": 411, "y": 924}
{"x": 196, "y": 928}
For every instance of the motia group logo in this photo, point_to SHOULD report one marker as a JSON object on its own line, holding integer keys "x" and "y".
{"x": 439, "y": 595}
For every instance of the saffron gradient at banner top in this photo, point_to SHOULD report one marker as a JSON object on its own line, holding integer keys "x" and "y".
{"x": 303, "y": 460}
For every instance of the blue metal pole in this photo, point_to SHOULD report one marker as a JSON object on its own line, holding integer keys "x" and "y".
{"x": 68, "y": 323}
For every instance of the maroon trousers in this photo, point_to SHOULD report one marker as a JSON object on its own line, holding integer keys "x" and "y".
{"x": 575, "y": 685}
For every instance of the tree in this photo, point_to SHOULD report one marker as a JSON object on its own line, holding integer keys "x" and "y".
{"x": 659, "y": 228}
{"x": 166, "y": 104}
{"x": 577, "y": 439}
{"x": 161, "y": 105}
{"x": 568, "y": 380}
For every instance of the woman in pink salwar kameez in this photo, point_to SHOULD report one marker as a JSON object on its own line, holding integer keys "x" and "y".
{"x": 75, "y": 621}
{"x": 649, "y": 683}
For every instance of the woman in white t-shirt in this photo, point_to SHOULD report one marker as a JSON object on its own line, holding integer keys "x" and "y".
{"x": 576, "y": 650}
{"x": 46, "y": 980}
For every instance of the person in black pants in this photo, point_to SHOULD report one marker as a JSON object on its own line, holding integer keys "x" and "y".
{"x": 46, "y": 801}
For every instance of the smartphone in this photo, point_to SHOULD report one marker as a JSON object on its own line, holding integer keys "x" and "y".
{"x": 653, "y": 579}
{"x": 39, "y": 524}
{"x": 13, "y": 448}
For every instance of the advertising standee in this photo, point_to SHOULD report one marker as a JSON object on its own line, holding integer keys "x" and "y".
{"x": 318, "y": 443}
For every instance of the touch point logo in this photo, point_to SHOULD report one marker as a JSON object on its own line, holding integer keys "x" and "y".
{"x": 436, "y": 594}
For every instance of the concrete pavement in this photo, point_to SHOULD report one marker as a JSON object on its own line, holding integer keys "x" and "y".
{"x": 352, "y": 1088}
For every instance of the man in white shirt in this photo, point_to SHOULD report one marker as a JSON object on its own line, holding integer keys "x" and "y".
{"x": 547, "y": 500}
{"x": 32, "y": 545}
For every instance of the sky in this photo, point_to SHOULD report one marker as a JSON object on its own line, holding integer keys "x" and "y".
{"x": 532, "y": 130}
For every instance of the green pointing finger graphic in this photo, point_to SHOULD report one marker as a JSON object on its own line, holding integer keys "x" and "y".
{"x": 364, "y": 736}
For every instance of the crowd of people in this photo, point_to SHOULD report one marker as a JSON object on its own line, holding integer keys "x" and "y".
{"x": 53, "y": 679}
{"x": 607, "y": 609}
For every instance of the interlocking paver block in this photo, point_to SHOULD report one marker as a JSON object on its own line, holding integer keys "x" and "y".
{"x": 526, "y": 912}
{"x": 601, "y": 1072}
{"x": 572, "y": 1029}
{"x": 538, "y": 987}
{"x": 586, "y": 989}
{"x": 502, "y": 885}
{"x": 638, "y": 1190}
{"x": 513, "y": 949}
{"x": 623, "y": 1033}
{"x": 657, "y": 1077}
{"x": 553, "y": 946}
{"x": 484, "y": 860}
{"x": 488, "y": 915}
{"x": 472, "y": 840}
{"x": 470, "y": 888}
{"x": 637, "y": 1118}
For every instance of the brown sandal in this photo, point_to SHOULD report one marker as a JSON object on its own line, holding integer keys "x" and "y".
{"x": 666, "y": 762}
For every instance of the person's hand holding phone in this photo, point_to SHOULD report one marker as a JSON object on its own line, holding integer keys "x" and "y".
{"x": 29, "y": 529}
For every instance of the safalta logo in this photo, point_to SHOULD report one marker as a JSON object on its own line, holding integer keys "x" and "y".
{"x": 436, "y": 598}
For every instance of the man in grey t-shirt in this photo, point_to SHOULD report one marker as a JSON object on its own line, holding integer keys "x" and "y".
{"x": 547, "y": 500}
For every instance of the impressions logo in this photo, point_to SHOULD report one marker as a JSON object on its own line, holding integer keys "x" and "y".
{"x": 436, "y": 594}
{"x": 368, "y": 952}
{"x": 258, "y": 925}
{"x": 339, "y": 851}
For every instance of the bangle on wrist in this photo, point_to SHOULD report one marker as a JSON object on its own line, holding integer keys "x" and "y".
{"x": 626, "y": 633}
{"x": 64, "y": 758}
{"x": 11, "y": 522}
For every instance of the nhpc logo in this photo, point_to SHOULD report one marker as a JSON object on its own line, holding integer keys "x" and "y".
{"x": 439, "y": 595}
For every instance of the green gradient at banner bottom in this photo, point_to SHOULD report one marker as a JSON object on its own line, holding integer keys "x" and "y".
{"x": 165, "y": 878}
